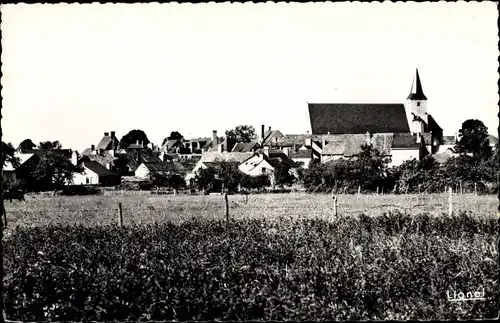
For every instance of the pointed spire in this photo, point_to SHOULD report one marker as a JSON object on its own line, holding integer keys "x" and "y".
{"x": 416, "y": 92}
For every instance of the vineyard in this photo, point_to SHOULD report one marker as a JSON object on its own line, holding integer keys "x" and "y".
{"x": 280, "y": 257}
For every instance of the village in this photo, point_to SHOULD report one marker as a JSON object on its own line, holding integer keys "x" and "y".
{"x": 400, "y": 132}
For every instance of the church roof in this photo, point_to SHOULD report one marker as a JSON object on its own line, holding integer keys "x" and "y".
{"x": 358, "y": 118}
{"x": 416, "y": 92}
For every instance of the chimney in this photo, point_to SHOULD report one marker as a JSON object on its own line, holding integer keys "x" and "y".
{"x": 74, "y": 158}
{"x": 106, "y": 134}
{"x": 266, "y": 151}
{"x": 368, "y": 137}
{"x": 214, "y": 139}
{"x": 92, "y": 147}
{"x": 269, "y": 128}
{"x": 262, "y": 133}
{"x": 113, "y": 147}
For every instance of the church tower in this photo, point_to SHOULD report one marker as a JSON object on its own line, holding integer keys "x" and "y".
{"x": 416, "y": 107}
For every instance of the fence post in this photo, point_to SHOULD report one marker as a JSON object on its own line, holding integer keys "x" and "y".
{"x": 227, "y": 207}
{"x": 335, "y": 205}
{"x": 475, "y": 188}
{"x": 450, "y": 202}
{"x": 4, "y": 216}
{"x": 359, "y": 190}
{"x": 120, "y": 215}
{"x": 377, "y": 190}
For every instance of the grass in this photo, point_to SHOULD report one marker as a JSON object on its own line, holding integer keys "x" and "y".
{"x": 381, "y": 265}
{"x": 143, "y": 208}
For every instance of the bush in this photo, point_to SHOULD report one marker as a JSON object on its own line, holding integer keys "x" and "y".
{"x": 395, "y": 266}
{"x": 80, "y": 190}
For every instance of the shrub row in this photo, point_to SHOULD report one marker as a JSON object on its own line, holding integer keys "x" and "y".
{"x": 395, "y": 266}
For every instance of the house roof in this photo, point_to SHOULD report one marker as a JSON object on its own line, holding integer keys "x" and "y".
{"x": 493, "y": 140}
{"x": 159, "y": 166}
{"x": 433, "y": 125}
{"x": 406, "y": 140}
{"x": 291, "y": 140}
{"x": 97, "y": 168}
{"x": 23, "y": 157}
{"x": 244, "y": 147}
{"x": 416, "y": 92}
{"x": 106, "y": 143}
{"x": 449, "y": 140}
{"x": 344, "y": 118}
{"x": 225, "y": 156}
{"x": 334, "y": 148}
{"x": 301, "y": 153}
{"x": 269, "y": 135}
{"x": 87, "y": 151}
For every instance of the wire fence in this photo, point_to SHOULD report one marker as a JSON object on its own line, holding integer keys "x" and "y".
{"x": 229, "y": 206}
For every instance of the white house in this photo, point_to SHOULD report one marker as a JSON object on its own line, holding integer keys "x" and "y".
{"x": 94, "y": 174}
{"x": 146, "y": 168}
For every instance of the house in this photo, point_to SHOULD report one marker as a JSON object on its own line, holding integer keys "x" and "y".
{"x": 448, "y": 144}
{"x": 145, "y": 168}
{"x": 195, "y": 145}
{"x": 265, "y": 162}
{"x": 214, "y": 157}
{"x": 170, "y": 145}
{"x": 95, "y": 174}
{"x": 245, "y": 147}
{"x": 9, "y": 172}
{"x": 301, "y": 156}
{"x": 404, "y": 126}
{"x": 270, "y": 136}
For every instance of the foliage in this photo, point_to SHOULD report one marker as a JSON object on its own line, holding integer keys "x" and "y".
{"x": 242, "y": 133}
{"x": 226, "y": 176}
{"x": 367, "y": 170}
{"x": 55, "y": 170}
{"x": 474, "y": 139}
{"x": 166, "y": 179}
{"x": 133, "y": 137}
{"x": 26, "y": 144}
{"x": 8, "y": 155}
{"x": 175, "y": 135}
{"x": 353, "y": 268}
{"x": 49, "y": 145}
{"x": 80, "y": 190}
{"x": 282, "y": 176}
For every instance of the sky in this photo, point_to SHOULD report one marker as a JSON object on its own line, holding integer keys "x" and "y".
{"x": 72, "y": 72}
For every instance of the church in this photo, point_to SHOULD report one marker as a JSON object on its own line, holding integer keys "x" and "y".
{"x": 402, "y": 131}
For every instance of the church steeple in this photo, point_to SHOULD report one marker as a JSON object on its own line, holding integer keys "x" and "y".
{"x": 416, "y": 92}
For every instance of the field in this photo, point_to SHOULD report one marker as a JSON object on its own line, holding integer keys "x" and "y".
{"x": 143, "y": 208}
{"x": 281, "y": 257}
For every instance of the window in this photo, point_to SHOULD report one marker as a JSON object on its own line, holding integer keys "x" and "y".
{"x": 418, "y": 104}
{"x": 263, "y": 170}
{"x": 87, "y": 180}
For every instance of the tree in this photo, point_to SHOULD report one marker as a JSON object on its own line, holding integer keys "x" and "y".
{"x": 26, "y": 144}
{"x": 282, "y": 176}
{"x": 243, "y": 133}
{"x": 55, "y": 170}
{"x": 49, "y": 145}
{"x": 175, "y": 135}
{"x": 168, "y": 180}
{"x": 133, "y": 137}
{"x": 474, "y": 139}
{"x": 8, "y": 155}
